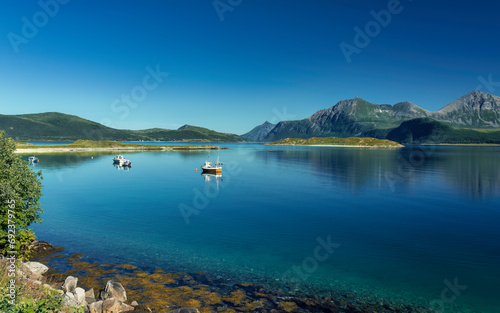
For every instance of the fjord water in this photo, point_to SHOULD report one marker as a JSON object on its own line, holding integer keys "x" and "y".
{"x": 406, "y": 225}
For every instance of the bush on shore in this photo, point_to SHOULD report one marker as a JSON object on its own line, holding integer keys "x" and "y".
{"x": 20, "y": 192}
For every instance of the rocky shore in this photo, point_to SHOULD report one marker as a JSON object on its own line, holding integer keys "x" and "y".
{"x": 113, "y": 288}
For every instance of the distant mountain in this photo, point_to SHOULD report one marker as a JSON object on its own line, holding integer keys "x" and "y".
{"x": 59, "y": 126}
{"x": 357, "y": 117}
{"x": 354, "y": 117}
{"x": 259, "y": 132}
{"x": 476, "y": 109}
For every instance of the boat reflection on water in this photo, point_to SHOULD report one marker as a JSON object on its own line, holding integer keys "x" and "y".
{"x": 121, "y": 167}
{"x": 212, "y": 177}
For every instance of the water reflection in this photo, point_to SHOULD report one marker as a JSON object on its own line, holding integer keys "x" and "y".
{"x": 212, "y": 178}
{"x": 121, "y": 167}
{"x": 63, "y": 160}
{"x": 474, "y": 171}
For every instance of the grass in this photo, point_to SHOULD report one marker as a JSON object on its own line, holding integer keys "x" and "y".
{"x": 351, "y": 141}
{"x": 90, "y": 144}
{"x": 30, "y": 296}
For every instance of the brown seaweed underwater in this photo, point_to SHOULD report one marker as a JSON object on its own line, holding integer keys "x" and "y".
{"x": 162, "y": 291}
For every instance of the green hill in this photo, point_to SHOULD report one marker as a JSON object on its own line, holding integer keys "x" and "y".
{"x": 429, "y": 131}
{"x": 336, "y": 141}
{"x": 59, "y": 126}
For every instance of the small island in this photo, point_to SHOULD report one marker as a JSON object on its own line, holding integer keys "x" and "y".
{"x": 90, "y": 145}
{"x": 366, "y": 142}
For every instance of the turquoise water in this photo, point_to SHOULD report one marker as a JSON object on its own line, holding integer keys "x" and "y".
{"x": 398, "y": 224}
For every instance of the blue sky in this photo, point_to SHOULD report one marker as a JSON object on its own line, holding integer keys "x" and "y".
{"x": 238, "y": 63}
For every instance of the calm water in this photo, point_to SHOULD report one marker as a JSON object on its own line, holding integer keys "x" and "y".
{"x": 401, "y": 224}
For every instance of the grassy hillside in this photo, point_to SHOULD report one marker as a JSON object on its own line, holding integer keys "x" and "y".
{"x": 351, "y": 141}
{"x": 190, "y": 133}
{"x": 58, "y": 126}
{"x": 429, "y": 131}
{"x": 108, "y": 145}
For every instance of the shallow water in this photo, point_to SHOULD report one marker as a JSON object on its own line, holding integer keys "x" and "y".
{"x": 401, "y": 224}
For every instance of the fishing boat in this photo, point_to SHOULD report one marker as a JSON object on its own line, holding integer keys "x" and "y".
{"x": 126, "y": 163}
{"x": 119, "y": 159}
{"x": 210, "y": 168}
{"x": 33, "y": 159}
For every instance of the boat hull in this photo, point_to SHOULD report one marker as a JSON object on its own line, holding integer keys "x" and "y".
{"x": 212, "y": 170}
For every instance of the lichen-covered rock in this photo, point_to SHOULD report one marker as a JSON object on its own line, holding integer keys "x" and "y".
{"x": 69, "y": 300}
{"x": 114, "y": 290}
{"x": 70, "y": 284}
{"x": 96, "y": 307}
{"x": 90, "y": 296}
{"x": 79, "y": 295}
{"x": 113, "y": 305}
{"x": 36, "y": 268}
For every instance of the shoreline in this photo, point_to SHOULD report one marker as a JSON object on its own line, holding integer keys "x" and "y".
{"x": 337, "y": 146}
{"x": 153, "y": 148}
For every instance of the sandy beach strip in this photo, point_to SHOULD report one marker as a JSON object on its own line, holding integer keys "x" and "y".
{"x": 153, "y": 148}
{"x": 342, "y": 146}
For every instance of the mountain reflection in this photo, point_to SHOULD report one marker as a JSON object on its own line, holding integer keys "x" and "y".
{"x": 474, "y": 171}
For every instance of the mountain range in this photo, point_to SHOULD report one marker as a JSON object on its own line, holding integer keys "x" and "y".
{"x": 473, "y": 118}
{"x": 59, "y": 126}
{"x": 357, "y": 117}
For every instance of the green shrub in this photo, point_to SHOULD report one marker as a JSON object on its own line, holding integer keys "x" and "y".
{"x": 20, "y": 192}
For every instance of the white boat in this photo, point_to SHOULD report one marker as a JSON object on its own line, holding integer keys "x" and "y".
{"x": 33, "y": 159}
{"x": 119, "y": 159}
{"x": 126, "y": 163}
{"x": 210, "y": 168}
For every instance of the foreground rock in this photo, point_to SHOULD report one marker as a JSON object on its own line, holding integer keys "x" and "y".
{"x": 36, "y": 268}
{"x": 114, "y": 290}
{"x": 70, "y": 284}
{"x": 111, "y": 300}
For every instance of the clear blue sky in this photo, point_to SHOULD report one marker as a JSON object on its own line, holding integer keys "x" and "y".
{"x": 266, "y": 60}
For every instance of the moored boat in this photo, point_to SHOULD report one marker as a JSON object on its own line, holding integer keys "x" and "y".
{"x": 119, "y": 159}
{"x": 33, "y": 159}
{"x": 210, "y": 168}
